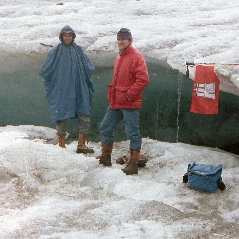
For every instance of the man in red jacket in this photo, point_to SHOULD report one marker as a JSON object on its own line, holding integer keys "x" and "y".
{"x": 125, "y": 99}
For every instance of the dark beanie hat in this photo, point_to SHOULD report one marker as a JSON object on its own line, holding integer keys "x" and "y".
{"x": 124, "y": 34}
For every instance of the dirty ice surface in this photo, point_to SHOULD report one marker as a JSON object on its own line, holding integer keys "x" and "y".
{"x": 169, "y": 31}
{"x": 50, "y": 192}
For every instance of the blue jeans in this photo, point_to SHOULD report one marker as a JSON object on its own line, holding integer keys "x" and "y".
{"x": 131, "y": 122}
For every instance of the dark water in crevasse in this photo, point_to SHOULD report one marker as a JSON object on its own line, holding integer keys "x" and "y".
{"x": 22, "y": 101}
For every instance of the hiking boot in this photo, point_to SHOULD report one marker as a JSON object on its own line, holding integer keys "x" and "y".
{"x": 105, "y": 157}
{"x": 132, "y": 167}
{"x": 126, "y": 158}
{"x": 81, "y": 147}
{"x": 62, "y": 141}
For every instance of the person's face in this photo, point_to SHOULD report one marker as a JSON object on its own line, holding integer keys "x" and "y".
{"x": 67, "y": 38}
{"x": 123, "y": 44}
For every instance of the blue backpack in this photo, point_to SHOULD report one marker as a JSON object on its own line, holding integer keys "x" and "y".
{"x": 204, "y": 177}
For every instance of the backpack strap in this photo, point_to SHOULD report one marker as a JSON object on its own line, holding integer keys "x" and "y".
{"x": 221, "y": 184}
{"x": 185, "y": 178}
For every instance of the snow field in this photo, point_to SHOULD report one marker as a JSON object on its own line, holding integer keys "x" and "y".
{"x": 50, "y": 192}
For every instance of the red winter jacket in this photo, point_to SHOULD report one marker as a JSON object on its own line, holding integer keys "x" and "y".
{"x": 129, "y": 79}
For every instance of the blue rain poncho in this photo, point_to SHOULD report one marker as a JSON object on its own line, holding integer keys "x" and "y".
{"x": 67, "y": 72}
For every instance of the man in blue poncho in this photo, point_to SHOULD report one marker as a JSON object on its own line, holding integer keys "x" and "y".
{"x": 69, "y": 91}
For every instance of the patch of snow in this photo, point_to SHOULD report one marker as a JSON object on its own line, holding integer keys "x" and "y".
{"x": 51, "y": 192}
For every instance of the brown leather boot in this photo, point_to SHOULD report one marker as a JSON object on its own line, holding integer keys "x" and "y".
{"x": 62, "y": 141}
{"x": 105, "y": 157}
{"x": 81, "y": 147}
{"x": 126, "y": 158}
{"x": 132, "y": 167}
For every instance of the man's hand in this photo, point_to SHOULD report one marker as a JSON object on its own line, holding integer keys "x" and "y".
{"x": 128, "y": 98}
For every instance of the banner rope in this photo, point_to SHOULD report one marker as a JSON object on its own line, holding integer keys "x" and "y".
{"x": 180, "y": 84}
{"x": 192, "y": 64}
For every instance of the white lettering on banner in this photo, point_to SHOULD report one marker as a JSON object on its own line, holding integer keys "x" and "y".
{"x": 206, "y": 90}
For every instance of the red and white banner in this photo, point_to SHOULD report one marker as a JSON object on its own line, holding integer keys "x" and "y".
{"x": 205, "y": 91}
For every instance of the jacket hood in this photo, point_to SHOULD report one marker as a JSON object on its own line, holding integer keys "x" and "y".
{"x": 66, "y": 28}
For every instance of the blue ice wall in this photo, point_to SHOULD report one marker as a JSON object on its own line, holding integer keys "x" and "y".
{"x": 22, "y": 101}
